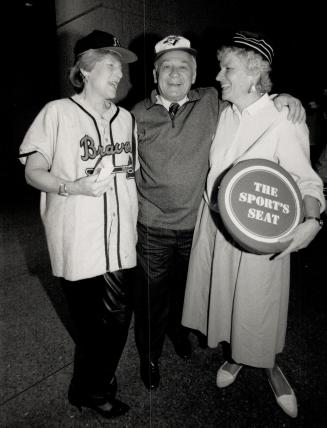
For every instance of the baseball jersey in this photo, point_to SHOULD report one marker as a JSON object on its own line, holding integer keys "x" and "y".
{"x": 87, "y": 236}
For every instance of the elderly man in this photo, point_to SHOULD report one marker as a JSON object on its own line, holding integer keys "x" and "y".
{"x": 175, "y": 126}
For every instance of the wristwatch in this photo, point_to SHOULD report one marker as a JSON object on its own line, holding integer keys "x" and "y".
{"x": 62, "y": 190}
{"x": 318, "y": 219}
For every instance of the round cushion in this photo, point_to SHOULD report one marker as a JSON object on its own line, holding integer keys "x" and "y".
{"x": 259, "y": 203}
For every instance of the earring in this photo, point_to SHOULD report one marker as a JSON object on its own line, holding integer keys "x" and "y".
{"x": 252, "y": 89}
{"x": 83, "y": 77}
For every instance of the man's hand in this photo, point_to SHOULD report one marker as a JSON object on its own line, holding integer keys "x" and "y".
{"x": 296, "y": 110}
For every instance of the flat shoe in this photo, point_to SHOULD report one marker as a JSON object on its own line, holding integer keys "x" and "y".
{"x": 224, "y": 377}
{"x": 287, "y": 402}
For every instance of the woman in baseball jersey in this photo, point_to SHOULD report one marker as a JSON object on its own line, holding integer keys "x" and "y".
{"x": 81, "y": 153}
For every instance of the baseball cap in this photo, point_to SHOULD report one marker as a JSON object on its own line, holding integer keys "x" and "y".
{"x": 100, "y": 39}
{"x": 173, "y": 43}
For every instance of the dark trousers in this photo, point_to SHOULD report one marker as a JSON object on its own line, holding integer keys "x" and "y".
{"x": 101, "y": 312}
{"x": 163, "y": 257}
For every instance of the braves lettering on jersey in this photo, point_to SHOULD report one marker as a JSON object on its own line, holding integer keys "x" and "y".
{"x": 87, "y": 236}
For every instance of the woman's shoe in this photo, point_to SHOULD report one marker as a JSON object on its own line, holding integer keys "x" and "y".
{"x": 98, "y": 404}
{"x": 287, "y": 402}
{"x": 224, "y": 377}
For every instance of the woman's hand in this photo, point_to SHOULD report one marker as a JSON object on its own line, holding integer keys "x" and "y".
{"x": 300, "y": 238}
{"x": 89, "y": 186}
{"x": 38, "y": 175}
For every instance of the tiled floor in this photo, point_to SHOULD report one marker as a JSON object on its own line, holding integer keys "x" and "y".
{"x": 36, "y": 351}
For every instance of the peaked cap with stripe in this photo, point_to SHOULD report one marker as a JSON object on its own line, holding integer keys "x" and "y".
{"x": 255, "y": 42}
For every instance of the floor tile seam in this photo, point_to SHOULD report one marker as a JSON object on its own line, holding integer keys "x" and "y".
{"x": 36, "y": 383}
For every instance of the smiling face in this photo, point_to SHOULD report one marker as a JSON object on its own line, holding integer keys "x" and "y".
{"x": 235, "y": 80}
{"x": 102, "y": 81}
{"x": 175, "y": 72}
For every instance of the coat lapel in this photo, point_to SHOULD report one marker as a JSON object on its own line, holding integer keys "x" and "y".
{"x": 255, "y": 129}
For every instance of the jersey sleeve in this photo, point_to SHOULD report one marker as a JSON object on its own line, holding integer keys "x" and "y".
{"x": 41, "y": 135}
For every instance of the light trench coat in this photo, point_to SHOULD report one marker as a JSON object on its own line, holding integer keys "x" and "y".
{"x": 232, "y": 295}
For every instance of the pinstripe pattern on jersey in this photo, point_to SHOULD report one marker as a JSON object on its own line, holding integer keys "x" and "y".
{"x": 105, "y": 199}
{"x": 105, "y": 229}
{"x": 105, "y": 202}
{"x": 116, "y": 190}
{"x": 94, "y": 121}
{"x": 111, "y": 135}
{"x": 118, "y": 225}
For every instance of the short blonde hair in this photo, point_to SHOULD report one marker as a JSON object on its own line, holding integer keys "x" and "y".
{"x": 254, "y": 62}
{"x": 87, "y": 61}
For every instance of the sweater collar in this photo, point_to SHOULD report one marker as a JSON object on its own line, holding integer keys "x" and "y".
{"x": 193, "y": 95}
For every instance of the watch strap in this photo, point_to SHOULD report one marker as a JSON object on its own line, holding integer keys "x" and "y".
{"x": 62, "y": 190}
{"x": 318, "y": 219}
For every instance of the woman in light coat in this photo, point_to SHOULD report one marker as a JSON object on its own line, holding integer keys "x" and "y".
{"x": 232, "y": 295}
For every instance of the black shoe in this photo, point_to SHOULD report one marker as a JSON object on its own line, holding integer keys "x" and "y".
{"x": 150, "y": 374}
{"x": 183, "y": 347}
{"x": 95, "y": 403}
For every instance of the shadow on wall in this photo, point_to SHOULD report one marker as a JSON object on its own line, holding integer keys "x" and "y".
{"x": 141, "y": 75}
{"x": 284, "y": 78}
{"x": 31, "y": 78}
{"x": 207, "y": 65}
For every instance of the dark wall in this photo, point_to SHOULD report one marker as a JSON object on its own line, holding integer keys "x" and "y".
{"x": 32, "y": 73}
{"x": 31, "y": 76}
{"x": 296, "y": 29}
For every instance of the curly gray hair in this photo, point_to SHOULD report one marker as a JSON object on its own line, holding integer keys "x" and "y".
{"x": 254, "y": 63}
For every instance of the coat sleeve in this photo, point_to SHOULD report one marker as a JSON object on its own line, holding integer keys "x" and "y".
{"x": 293, "y": 152}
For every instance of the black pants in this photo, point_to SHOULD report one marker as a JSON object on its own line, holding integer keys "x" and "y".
{"x": 101, "y": 313}
{"x": 163, "y": 257}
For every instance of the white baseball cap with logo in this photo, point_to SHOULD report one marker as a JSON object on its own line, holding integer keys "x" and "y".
{"x": 173, "y": 43}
